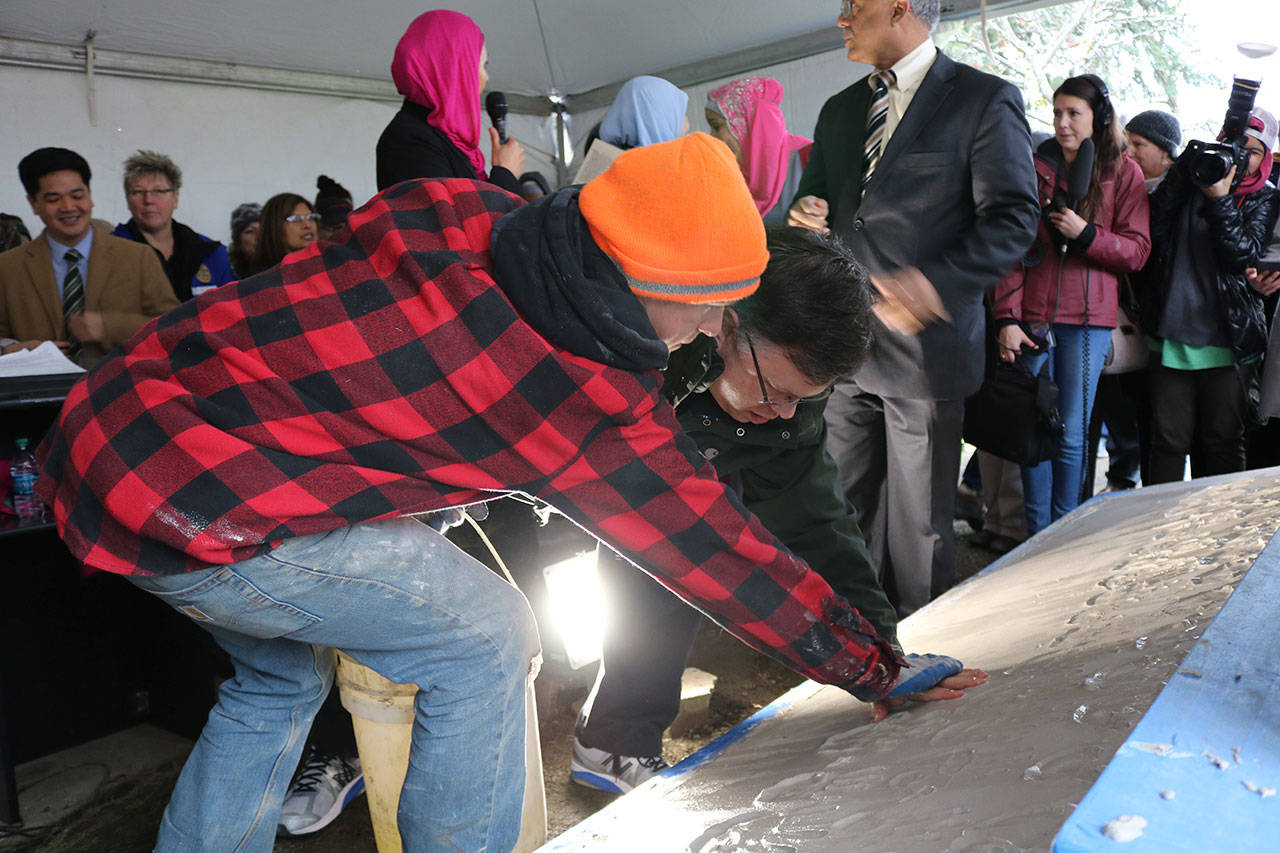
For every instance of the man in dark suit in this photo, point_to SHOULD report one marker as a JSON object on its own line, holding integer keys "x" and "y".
{"x": 75, "y": 284}
{"x": 924, "y": 169}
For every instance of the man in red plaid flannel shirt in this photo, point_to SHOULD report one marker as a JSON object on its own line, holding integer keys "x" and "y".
{"x": 251, "y": 456}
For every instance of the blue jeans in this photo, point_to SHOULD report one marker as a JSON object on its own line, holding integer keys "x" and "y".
{"x": 399, "y": 598}
{"x": 1052, "y": 488}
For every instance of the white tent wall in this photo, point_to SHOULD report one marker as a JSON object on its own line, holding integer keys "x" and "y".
{"x": 233, "y": 144}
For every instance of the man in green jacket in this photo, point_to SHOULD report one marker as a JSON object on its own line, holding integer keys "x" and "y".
{"x": 753, "y": 402}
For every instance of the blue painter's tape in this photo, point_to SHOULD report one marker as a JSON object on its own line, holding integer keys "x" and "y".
{"x": 1211, "y": 739}
{"x": 584, "y": 831}
{"x": 738, "y": 732}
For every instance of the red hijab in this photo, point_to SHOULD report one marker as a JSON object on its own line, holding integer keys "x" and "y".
{"x": 752, "y": 108}
{"x": 437, "y": 66}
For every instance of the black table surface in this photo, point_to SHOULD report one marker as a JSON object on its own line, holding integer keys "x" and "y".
{"x": 21, "y": 392}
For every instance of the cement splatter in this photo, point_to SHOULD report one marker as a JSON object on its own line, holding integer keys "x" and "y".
{"x": 1125, "y": 828}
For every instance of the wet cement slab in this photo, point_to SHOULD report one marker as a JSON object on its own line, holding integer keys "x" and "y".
{"x": 1080, "y": 629}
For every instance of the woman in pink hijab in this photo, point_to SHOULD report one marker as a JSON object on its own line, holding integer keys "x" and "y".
{"x": 747, "y": 115}
{"x": 440, "y": 68}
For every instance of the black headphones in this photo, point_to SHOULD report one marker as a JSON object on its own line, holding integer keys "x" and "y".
{"x": 1103, "y": 114}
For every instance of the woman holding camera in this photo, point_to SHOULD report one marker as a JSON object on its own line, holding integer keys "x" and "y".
{"x": 1205, "y": 324}
{"x": 1060, "y": 303}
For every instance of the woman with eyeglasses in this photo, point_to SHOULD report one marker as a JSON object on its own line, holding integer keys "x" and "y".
{"x": 192, "y": 262}
{"x": 288, "y": 223}
{"x": 441, "y": 67}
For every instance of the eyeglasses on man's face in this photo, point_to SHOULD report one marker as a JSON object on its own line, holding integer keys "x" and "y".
{"x": 303, "y": 217}
{"x": 779, "y": 400}
{"x": 146, "y": 194}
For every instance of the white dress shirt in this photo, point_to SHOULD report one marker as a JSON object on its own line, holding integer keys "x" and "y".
{"x": 910, "y": 71}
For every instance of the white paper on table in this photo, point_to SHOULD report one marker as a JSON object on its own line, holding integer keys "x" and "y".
{"x": 44, "y": 360}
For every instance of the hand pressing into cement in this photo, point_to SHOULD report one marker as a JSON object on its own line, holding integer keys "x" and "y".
{"x": 930, "y": 678}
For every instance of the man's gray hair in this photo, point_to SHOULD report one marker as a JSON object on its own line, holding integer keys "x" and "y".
{"x": 151, "y": 163}
{"x": 928, "y": 11}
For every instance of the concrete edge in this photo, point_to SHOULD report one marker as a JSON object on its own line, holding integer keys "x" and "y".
{"x": 1203, "y": 763}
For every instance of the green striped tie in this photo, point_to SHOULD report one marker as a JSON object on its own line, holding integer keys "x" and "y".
{"x": 72, "y": 294}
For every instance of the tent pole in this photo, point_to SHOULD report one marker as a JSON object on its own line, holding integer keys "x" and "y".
{"x": 91, "y": 84}
{"x": 562, "y": 138}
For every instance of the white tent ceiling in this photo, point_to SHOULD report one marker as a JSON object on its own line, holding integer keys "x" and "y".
{"x": 573, "y": 48}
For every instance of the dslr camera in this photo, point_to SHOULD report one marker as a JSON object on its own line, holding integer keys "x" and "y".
{"x": 1210, "y": 162}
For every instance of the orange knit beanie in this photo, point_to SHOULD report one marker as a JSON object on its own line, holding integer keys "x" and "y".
{"x": 677, "y": 217}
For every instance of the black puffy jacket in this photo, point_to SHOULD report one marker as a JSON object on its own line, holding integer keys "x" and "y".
{"x": 1240, "y": 229}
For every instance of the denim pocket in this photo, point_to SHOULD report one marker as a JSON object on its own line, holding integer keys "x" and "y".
{"x": 228, "y": 600}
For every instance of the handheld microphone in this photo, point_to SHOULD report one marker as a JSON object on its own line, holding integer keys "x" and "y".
{"x": 1081, "y": 173}
{"x": 1077, "y": 187}
{"x": 496, "y": 105}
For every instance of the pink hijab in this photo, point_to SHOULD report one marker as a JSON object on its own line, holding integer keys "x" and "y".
{"x": 437, "y": 66}
{"x": 1259, "y": 130}
{"x": 753, "y": 109}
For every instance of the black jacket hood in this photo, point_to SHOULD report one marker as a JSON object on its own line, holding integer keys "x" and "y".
{"x": 568, "y": 289}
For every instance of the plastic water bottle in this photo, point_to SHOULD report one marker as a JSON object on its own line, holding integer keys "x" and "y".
{"x": 23, "y": 470}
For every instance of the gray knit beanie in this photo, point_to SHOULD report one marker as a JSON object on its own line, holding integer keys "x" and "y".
{"x": 243, "y": 216}
{"x": 1159, "y": 127}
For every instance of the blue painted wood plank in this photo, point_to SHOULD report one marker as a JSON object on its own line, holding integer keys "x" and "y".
{"x": 1202, "y": 767}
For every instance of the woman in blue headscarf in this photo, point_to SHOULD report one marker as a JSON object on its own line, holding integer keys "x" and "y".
{"x": 647, "y": 110}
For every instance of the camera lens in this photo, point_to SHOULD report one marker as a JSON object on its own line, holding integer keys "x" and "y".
{"x": 1209, "y": 167}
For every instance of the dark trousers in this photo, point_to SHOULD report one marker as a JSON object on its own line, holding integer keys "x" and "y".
{"x": 1196, "y": 409}
{"x": 648, "y": 635}
{"x": 1123, "y": 404}
{"x": 1120, "y": 414}
{"x": 1263, "y": 445}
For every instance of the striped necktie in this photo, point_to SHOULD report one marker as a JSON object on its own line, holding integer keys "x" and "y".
{"x": 877, "y": 114}
{"x": 72, "y": 293}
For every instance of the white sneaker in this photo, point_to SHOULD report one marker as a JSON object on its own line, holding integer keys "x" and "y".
{"x": 608, "y": 771}
{"x": 323, "y": 786}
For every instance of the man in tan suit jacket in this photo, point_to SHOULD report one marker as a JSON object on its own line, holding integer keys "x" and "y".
{"x": 123, "y": 283}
